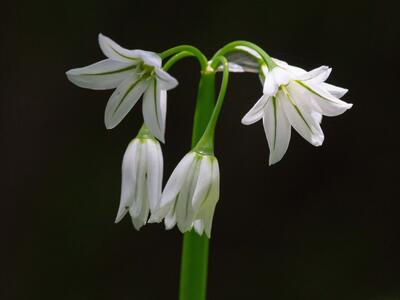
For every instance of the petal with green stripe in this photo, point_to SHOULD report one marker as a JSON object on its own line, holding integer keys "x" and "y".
{"x": 123, "y": 99}
{"x": 103, "y": 75}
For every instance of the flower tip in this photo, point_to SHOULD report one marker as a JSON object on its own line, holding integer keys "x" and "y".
{"x": 245, "y": 121}
{"x": 71, "y": 73}
{"x": 109, "y": 125}
{"x": 101, "y": 36}
{"x": 137, "y": 223}
{"x": 344, "y": 92}
{"x": 120, "y": 216}
{"x": 317, "y": 142}
{"x": 154, "y": 219}
{"x": 273, "y": 160}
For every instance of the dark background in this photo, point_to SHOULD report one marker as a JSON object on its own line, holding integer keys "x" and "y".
{"x": 322, "y": 224}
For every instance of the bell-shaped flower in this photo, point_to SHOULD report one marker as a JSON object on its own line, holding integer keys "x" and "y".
{"x": 132, "y": 73}
{"x": 190, "y": 195}
{"x": 142, "y": 171}
{"x": 295, "y": 98}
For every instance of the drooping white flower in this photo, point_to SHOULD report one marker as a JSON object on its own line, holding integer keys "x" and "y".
{"x": 190, "y": 195}
{"x": 132, "y": 73}
{"x": 142, "y": 171}
{"x": 293, "y": 97}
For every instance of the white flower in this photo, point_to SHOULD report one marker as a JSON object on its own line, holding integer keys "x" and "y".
{"x": 132, "y": 73}
{"x": 190, "y": 195}
{"x": 142, "y": 171}
{"x": 295, "y": 98}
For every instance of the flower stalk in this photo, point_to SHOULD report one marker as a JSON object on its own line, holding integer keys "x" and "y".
{"x": 194, "y": 261}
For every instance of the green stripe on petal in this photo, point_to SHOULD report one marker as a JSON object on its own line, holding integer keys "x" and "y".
{"x": 105, "y": 74}
{"x": 123, "y": 99}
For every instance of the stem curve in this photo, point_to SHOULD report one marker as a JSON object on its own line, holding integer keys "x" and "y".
{"x": 230, "y": 47}
{"x": 196, "y": 52}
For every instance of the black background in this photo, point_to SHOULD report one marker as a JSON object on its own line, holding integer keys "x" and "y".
{"x": 321, "y": 224}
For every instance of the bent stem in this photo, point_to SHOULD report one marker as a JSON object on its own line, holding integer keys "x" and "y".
{"x": 187, "y": 48}
{"x": 194, "y": 263}
{"x": 231, "y": 47}
{"x": 177, "y": 57}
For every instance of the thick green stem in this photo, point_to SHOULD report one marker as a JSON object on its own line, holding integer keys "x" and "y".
{"x": 206, "y": 142}
{"x": 204, "y": 105}
{"x": 194, "y": 264}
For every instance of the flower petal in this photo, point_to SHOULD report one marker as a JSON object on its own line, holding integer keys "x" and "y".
{"x": 321, "y": 77}
{"x": 277, "y": 129}
{"x": 114, "y": 51}
{"x": 166, "y": 81}
{"x": 141, "y": 197}
{"x": 296, "y": 71}
{"x": 206, "y": 212}
{"x": 274, "y": 79}
{"x": 123, "y": 99}
{"x": 129, "y": 177}
{"x": 184, "y": 209}
{"x": 103, "y": 75}
{"x": 141, "y": 219}
{"x": 315, "y": 73}
{"x": 177, "y": 179}
{"x": 328, "y": 104}
{"x": 170, "y": 218}
{"x": 250, "y": 51}
{"x": 198, "y": 226}
{"x": 154, "y": 109}
{"x": 305, "y": 123}
{"x": 256, "y": 112}
{"x": 149, "y": 58}
{"x": 245, "y": 60}
{"x": 336, "y": 91}
{"x": 154, "y": 172}
{"x": 232, "y": 67}
{"x": 203, "y": 185}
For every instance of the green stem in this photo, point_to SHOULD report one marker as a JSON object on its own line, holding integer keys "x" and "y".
{"x": 194, "y": 265}
{"x": 206, "y": 142}
{"x": 204, "y": 105}
{"x": 231, "y": 47}
{"x": 174, "y": 59}
{"x": 194, "y": 262}
{"x": 196, "y": 52}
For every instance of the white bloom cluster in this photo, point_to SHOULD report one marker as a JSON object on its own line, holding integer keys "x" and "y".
{"x": 292, "y": 97}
